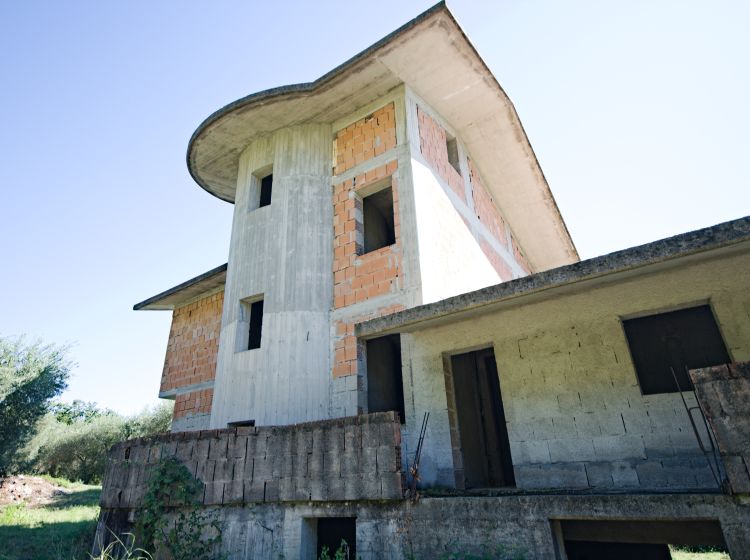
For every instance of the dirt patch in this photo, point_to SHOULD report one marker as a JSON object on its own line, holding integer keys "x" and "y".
{"x": 29, "y": 490}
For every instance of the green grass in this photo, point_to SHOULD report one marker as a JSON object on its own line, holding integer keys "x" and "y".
{"x": 60, "y": 530}
{"x": 683, "y": 555}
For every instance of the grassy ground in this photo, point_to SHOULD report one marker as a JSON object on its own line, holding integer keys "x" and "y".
{"x": 681, "y": 555}
{"x": 60, "y": 530}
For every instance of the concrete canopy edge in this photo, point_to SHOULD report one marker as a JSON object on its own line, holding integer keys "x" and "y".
{"x": 715, "y": 237}
{"x": 186, "y": 291}
{"x": 433, "y": 56}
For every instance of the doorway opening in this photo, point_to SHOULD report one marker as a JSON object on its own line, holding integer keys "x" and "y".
{"x": 480, "y": 418}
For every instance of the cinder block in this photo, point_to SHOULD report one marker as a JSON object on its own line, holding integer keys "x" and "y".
{"x": 587, "y": 425}
{"x": 237, "y": 447}
{"x": 530, "y": 452}
{"x": 737, "y": 474}
{"x": 651, "y": 474}
{"x": 213, "y": 493}
{"x": 560, "y": 475}
{"x": 657, "y": 445}
{"x": 543, "y": 428}
{"x": 386, "y": 459}
{"x": 614, "y": 448}
{"x": 205, "y": 470}
{"x": 233, "y": 492}
{"x": 599, "y": 475}
{"x": 565, "y": 427}
{"x": 271, "y": 491}
{"x": 624, "y": 474}
{"x": 392, "y": 486}
{"x": 571, "y": 450}
{"x": 254, "y": 491}
{"x": 218, "y": 448}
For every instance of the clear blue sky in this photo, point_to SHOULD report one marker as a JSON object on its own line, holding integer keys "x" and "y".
{"x": 638, "y": 111}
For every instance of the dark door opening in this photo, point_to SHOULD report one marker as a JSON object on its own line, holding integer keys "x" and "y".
{"x": 385, "y": 386}
{"x": 332, "y": 531}
{"x": 485, "y": 446}
{"x": 585, "y": 550}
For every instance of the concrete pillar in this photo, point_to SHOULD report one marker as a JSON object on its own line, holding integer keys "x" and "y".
{"x": 283, "y": 253}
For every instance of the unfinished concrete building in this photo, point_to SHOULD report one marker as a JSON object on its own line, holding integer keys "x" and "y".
{"x": 396, "y": 251}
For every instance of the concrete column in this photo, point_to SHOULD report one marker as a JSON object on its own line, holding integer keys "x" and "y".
{"x": 282, "y": 253}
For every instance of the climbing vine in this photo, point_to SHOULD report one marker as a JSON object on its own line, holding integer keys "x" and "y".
{"x": 171, "y": 519}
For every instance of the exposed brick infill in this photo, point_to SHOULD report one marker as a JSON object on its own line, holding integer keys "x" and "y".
{"x": 432, "y": 144}
{"x": 195, "y": 402}
{"x": 358, "y": 277}
{"x": 354, "y": 458}
{"x": 347, "y": 350}
{"x": 365, "y": 139}
{"x": 724, "y": 396}
{"x": 193, "y": 343}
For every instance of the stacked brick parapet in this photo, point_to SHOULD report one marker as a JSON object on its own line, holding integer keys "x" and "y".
{"x": 365, "y": 139}
{"x": 357, "y": 458}
{"x": 724, "y": 396}
{"x": 193, "y": 343}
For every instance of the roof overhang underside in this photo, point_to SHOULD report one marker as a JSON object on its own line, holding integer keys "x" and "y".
{"x": 433, "y": 57}
{"x": 190, "y": 290}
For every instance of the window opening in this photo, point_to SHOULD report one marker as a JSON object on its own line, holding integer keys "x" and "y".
{"x": 256, "y": 324}
{"x": 266, "y": 186}
{"x": 485, "y": 446}
{"x": 385, "y": 386}
{"x": 677, "y": 340}
{"x": 377, "y": 217}
{"x": 452, "y": 146}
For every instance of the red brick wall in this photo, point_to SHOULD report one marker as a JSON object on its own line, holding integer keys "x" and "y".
{"x": 347, "y": 349}
{"x": 359, "y": 277}
{"x": 190, "y": 404}
{"x": 365, "y": 139}
{"x": 192, "y": 347}
{"x": 432, "y": 144}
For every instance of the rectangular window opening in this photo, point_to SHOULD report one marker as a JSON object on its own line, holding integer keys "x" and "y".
{"x": 266, "y": 186}
{"x": 378, "y": 221}
{"x": 385, "y": 386}
{"x": 674, "y": 341}
{"x": 256, "y": 324}
{"x": 338, "y": 535}
{"x": 452, "y": 146}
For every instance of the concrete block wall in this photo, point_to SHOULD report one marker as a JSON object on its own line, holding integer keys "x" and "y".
{"x": 437, "y": 527}
{"x": 354, "y": 458}
{"x": 190, "y": 361}
{"x": 575, "y": 414}
{"x": 724, "y": 395}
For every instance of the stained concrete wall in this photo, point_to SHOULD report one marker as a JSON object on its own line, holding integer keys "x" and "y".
{"x": 283, "y": 253}
{"x": 507, "y": 526}
{"x": 575, "y": 414}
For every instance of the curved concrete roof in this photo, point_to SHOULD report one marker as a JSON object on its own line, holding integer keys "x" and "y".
{"x": 434, "y": 58}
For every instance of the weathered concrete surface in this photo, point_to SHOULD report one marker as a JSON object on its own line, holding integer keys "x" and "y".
{"x": 433, "y": 527}
{"x": 281, "y": 253}
{"x": 576, "y": 416}
{"x": 724, "y": 396}
{"x": 356, "y": 458}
